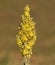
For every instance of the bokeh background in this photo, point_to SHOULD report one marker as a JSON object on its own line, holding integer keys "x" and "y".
{"x": 43, "y": 12}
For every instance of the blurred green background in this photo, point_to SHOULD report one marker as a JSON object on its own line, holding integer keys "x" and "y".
{"x": 43, "y": 12}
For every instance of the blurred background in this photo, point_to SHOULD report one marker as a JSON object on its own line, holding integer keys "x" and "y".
{"x": 43, "y": 13}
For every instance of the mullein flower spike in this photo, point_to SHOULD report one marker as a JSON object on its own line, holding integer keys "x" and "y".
{"x": 26, "y": 36}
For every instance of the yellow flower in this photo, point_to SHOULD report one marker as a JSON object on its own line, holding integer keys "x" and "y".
{"x": 35, "y": 36}
{"x": 27, "y": 28}
{"x": 25, "y": 52}
{"x": 26, "y": 13}
{"x": 27, "y": 8}
{"x": 31, "y": 33}
{"x": 24, "y": 38}
{"x": 27, "y": 46}
{"x": 19, "y": 42}
{"x": 26, "y": 25}
{"x": 20, "y": 33}
{"x": 31, "y": 43}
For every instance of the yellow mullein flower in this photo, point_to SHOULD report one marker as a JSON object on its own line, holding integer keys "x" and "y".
{"x": 26, "y": 26}
{"x": 19, "y": 42}
{"x": 31, "y": 43}
{"x": 20, "y": 33}
{"x": 35, "y": 36}
{"x": 24, "y": 38}
{"x": 26, "y": 13}
{"x": 27, "y": 46}
{"x": 27, "y": 8}
{"x": 25, "y": 51}
{"x": 31, "y": 33}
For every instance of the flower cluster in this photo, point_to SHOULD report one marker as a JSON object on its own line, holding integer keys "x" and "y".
{"x": 26, "y": 35}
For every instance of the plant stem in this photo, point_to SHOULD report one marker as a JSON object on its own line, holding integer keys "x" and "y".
{"x": 26, "y": 61}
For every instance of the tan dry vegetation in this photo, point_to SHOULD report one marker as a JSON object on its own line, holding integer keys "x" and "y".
{"x": 48, "y": 42}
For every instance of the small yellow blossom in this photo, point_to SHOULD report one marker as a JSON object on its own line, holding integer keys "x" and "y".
{"x": 27, "y": 8}
{"x": 31, "y": 33}
{"x": 25, "y": 51}
{"x": 24, "y": 38}
{"x": 26, "y": 13}
{"x": 20, "y": 33}
{"x": 19, "y": 42}
{"x": 27, "y": 46}
{"x": 31, "y": 43}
